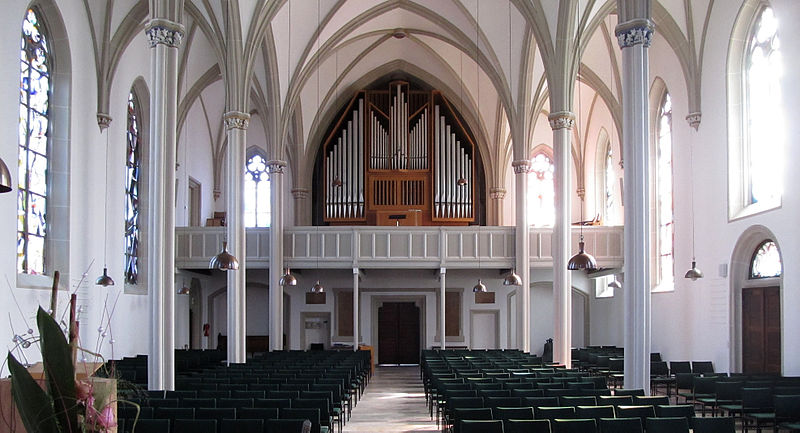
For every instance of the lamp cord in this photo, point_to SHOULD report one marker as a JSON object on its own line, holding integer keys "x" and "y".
{"x": 691, "y": 193}
{"x": 105, "y": 213}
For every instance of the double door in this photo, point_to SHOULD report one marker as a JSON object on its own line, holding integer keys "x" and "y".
{"x": 398, "y": 333}
{"x": 761, "y": 330}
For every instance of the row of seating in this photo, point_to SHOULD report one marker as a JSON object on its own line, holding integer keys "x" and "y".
{"x": 213, "y": 426}
{"x": 601, "y": 425}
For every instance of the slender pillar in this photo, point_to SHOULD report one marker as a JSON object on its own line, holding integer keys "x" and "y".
{"x": 236, "y": 125}
{"x": 562, "y": 123}
{"x": 634, "y": 35}
{"x": 276, "y": 171}
{"x": 302, "y": 214}
{"x": 356, "y": 329}
{"x": 523, "y": 253}
{"x": 164, "y": 37}
{"x": 442, "y": 293}
{"x": 497, "y": 194}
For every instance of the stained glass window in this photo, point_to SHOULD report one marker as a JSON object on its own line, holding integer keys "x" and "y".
{"x": 257, "y": 211}
{"x": 764, "y": 132}
{"x": 34, "y": 100}
{"x": 541, "y": 192}
{"x": 610, "y": 177}
{"x": 133, "y": 179}
{"x": 664, "y": 191}
{"x": 766, "y": 261}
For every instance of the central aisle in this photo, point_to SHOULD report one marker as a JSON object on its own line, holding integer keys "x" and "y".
{"x": 393, "y": 402}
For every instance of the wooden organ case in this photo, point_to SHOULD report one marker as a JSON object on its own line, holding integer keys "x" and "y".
{"x": 399, "y": 156}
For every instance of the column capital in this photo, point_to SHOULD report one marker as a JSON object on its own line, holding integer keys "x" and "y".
{"x": 497, "y": 193}
{"x": 103, "y": 121}
{"x": 166, "y": 32}
{"x": 300, "y": 193}
{"x": 634, "y": 32}
{"x": 581, "y": 191}
{"x": 694, "y": 119}
{"x": 561, "y": 120}
{"x": 276, "y": 166}
{"x": 521, "y": 166}
{"x": 236, "y": 120}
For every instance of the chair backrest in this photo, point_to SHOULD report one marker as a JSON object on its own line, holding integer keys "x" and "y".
{"x": 667, "y": 425}
{"x": 651, "y": 400}
{"x": 311, "y": 414}
{"x": 283, "y": 394}
{"x": 163, "y": 402}
{"x": 263, "y": 413}
{"x": 756, "y": 399}
{"x": 631, "y": 392}
{"x": 642, "y": 412}
{"x": 199, "y": 402}
{"x": 235, "y": 402}
{"x": 216, "y": 413}
{"x": 130, "y": 412}
{"x": 469, "y": 413}
{"x": 540, "y": 401}
{"x": 551, "y": 413}
{"x": 464, "y": 402}
{"x": 494, "y": 392}
{"x": 173, "y": 413}
{"x": 620, "y": 425}
{"x": 684, "y": 410}
{"x": 248, "y": 394}
{"x": 728, "y": 390}
{"x": 680, "y": 367}
{"x": 526, "y": 426}
{"x": 595, "y": 412}
{"x": 272, "y": 402}
{"x": 502, "y": 401}
{"x": 527, "y": 393}
{"x": 615, "y": 400}
{"x": 504, "y": 413}
{"x": 702, "y": 367}
{"x": 583, "y": 425}
{"x": 584, "y": 400}
{"x": 194, "y": 426}
{"x": 242, "y": 426}
{"x": 658, "y": 368}
{"x": 720, "y": 424}
{"x": 152, "y": 426}
{"x": 481, "y": 426}
{"x": 287, "y": 426}
{"x": 787, "y": 408}
{"x": 704, "y": 385}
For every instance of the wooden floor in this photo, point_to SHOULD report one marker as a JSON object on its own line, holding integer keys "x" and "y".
{"x": 393, "y": 402}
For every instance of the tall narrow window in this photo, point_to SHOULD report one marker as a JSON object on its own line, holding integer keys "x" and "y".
{"x": 610, "y": 177}
{"x": 541, "y": 191}
{"x": 132, "y": 183}
{"x": 766, "y": 261}
{"x": 664, "y": 193}
{"x": 34, "y": 145}
{"x": 257, "y": 211}
{"x": 764, "y": 128}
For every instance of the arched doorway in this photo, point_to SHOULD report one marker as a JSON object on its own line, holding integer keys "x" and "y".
{"x": 756, "y": 290}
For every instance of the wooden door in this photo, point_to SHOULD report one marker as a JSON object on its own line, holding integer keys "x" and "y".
{"x": 761, "y": 330}
{"x": 398, "y": 333}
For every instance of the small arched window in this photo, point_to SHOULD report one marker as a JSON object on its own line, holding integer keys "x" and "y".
{"x": 34, "y": 146}
{"x": 541, "y": 191}
{"x": 133, "y": 178}
{"x": 766, "y": 261}
{"x": 257, "y": 210}
{"x": 609, "y": 178}
{"x": 664, "y": 210}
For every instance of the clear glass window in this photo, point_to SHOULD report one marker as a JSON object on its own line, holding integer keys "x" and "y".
{"x": 766, "y": 262}
{"x": 257, "y": 210}
{"x": 541, "y": 191}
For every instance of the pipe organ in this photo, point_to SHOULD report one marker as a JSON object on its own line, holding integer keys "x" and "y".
{"x": 399, "y": 156}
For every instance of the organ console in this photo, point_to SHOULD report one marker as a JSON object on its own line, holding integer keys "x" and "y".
{"x": 399, "y": 151}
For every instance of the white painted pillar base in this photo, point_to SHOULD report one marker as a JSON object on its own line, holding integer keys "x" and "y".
{"x": 634, "y": 37}
{"x": 276, "y": 171}
{"x": 236, "y": 124}
{"x": 562, "y": 123}
{"x": 523, "y": 253}
{"x": 164, "y": 37}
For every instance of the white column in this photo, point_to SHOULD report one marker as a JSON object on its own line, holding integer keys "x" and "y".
{"x": 164, "y": 37}
{"x": 356, "y": 329}
{"x": 634, "y": 38}
{"x": 302, "y": 209}
{"x": 442, "y": 293}
{"x": 523, "y": 253}
{"x": 276, "y": 171}
{"x": 236, "y": 125}
{"x": 562, "y": 123}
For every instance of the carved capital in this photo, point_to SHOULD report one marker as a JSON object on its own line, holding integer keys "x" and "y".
{"x": 694, "y": 119}
{"x": 634, "y": 32}
{"x": 300, "y": 193}
{"x": 164, "y": 32}
{"x": 581, "y": 192}
{"x": 562, "y": 120}
{"x": 103, "y": 121}
{"x": 497, "y": 193}
{"x": 236, "y": 120}
{"x": 521, "y": 166}
{"x": 276, "y": 166}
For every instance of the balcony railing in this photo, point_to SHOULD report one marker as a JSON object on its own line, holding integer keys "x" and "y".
{"x": 396, "y": 247}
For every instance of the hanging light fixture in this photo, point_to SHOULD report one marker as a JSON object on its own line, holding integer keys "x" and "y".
{"x": 582, "y": 260}
{"x": 104, "y": 280}
{"x": 288, "y": 279}
{"x": 480, "y": 287}
{"x": 184, "y": 290}
{"x": 512, "y": 279}
{"x": 5, "y": 177}
{"x": 317, "y": 288}
{"x": 615, "y": 284}
{"x": 224, "y": 261}
{"x": 693, "y": 273}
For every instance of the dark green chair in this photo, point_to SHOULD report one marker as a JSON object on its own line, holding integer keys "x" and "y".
{"x": 481, "y": 426}
{"x": 719, "y": 424}
{"x": 578, "y": 425}
{"x": 667, "y": 425}
{"x": 526, "y": 426}
{"x": 620, "y": 425}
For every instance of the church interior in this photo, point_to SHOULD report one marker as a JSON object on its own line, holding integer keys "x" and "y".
{"x": 405, "y": 176}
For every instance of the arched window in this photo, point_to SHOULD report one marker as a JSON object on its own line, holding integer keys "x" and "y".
{"x": 609, "y": 178}
{"x": 257, "y": 210}
{"x": 663, "y": 181}
{"x": 541, "y": 191}
{"x": 766, "y": 261}
{"x": 132, "y": 185}
{"x": 755, "y": 66}
{"x": 34, "y": 146}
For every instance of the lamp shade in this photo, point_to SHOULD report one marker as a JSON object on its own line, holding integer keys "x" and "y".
{"x": 5, "y": 177}
{"x": 184, "y": 290}
{"x": 224, "y": 261}
{"x": 615, "y": 284}
{"x": 317, "y": 288}
{"x": 288, "y": 279}
{"x": 104, "y": 280}
{"x": 512, "y": 279}
{"x": 582, "y": 260}
{"x": 693, "y": 273}
{"x": 480, "y": 287}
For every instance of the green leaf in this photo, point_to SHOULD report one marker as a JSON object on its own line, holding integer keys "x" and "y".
{"x": 34, "y": 405}
{"x": 59, "y": 372}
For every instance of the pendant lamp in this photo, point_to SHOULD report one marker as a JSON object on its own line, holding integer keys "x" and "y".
{"x": 288, "y": 279}
{"x": 480, "y": 287}
{"x": 317, "y": 288}
{"x": 224, "y": 261}
{"x": 5, "y": 177}
{"x": 693, "y": 273}
{"x": 184, "y": 290}
{"x": 512, "y": 279}
{"x": 105, "y": 280}
{"x": 615, "y": 284}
